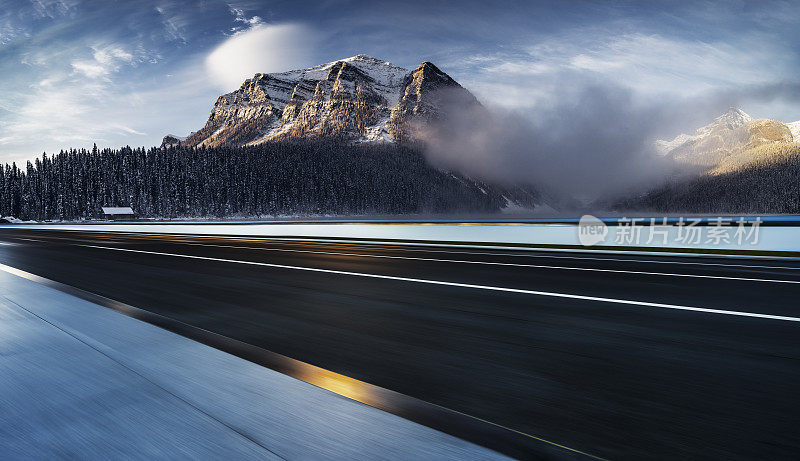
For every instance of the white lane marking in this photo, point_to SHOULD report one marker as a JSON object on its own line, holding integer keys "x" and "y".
{"x": 629, "y": 260}
{"x": 500, "y": 246}
{"x": 516, "y": 255}
{"x": 30, "y": 240}
{"x": 464, "y": 285}
{"x": 408, "y": 249}
{"x": 493, "y": 263}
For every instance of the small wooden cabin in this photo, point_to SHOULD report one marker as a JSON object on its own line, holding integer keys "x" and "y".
{"x": 118, "y": 213}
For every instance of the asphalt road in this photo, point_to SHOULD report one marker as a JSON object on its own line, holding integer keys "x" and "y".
{"x": 623, "y": 357}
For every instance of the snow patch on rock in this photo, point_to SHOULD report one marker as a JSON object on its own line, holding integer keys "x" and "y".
{"x": 794, "y": 127}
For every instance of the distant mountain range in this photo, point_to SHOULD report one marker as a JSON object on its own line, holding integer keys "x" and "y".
{"x": 720, "y": 145}
{"x": 361, "y": 98}
{"x": 365, "y": 100}
{"x": 740, "y": 165}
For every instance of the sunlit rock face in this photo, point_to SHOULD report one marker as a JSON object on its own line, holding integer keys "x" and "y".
{"x": 361, "y": 98}
{"x": 765, "y": 131}
{"x": 171, "y": 140}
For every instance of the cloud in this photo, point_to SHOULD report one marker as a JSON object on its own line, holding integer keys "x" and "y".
{"x": 241, "y": 17}
{"x": 72, "y": 96}
{"x": 90, "y": 69}
{"x": 174, "y": 23}
{"x": 98, "y": 73}
{"x": 522, "y": 68}
{"x": 647, "y": 63}
{"x": 15, "y": 18}
{"x": 262, "y": 48}
{"x": 596, "y": 140}
{"x": 591, "y": 140}
{"x": 104, "y": 61}
{"x": 65, "y": 113}
{"x": 129, "y": 130}
{"x": 52, "y": 8}
{"x": 652, "y": 62}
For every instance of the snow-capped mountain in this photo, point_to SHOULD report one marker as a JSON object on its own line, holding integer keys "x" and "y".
{"x": 732, "y": 119}
{"x": 734, "y": 131}
{"x": 359, "y": 98}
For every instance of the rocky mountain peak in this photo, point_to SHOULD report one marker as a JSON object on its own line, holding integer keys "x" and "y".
{"x": 732, "y": 118}
{"x": 360, "y": 98}
{"x": 428, "y": 95}
{"x": 343, "y": 70}
{"x": 429, "y": 72}
{"x": 366, "y": 58}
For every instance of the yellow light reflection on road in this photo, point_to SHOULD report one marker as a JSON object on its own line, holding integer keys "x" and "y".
{"x": 339, "y": 384}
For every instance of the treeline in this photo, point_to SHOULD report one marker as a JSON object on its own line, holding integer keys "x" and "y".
{"x": 284, "y": 178}
{"x": 758, "y": 181}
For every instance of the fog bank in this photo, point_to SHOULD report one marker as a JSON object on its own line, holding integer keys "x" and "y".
{"x": 589, "y": 140}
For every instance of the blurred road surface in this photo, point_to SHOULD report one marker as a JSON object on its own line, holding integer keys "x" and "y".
{"x": 620, "y": 356}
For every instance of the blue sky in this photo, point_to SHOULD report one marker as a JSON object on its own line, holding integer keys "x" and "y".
{"x": 75, "y": 72}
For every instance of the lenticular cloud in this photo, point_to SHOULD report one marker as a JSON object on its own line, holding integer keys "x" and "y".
{"x": 262, "y": 48}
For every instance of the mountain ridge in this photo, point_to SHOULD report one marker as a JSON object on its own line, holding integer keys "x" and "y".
{"x": 728, "y": 135}
{"x": 360, "y": 98}
{"x": 747, "y": 166}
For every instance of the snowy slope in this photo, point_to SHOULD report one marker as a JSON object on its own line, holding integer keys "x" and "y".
{"x": 794, "y": 127}
{"x": 733, "y": 118}
{"x": 728, "y": 136}
{"x": 388, "y": 79}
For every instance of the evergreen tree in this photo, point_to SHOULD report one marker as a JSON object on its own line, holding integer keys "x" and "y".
{"x": 282, "y": 178}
